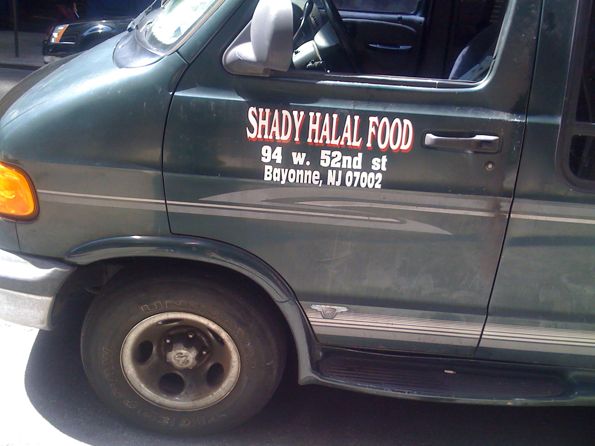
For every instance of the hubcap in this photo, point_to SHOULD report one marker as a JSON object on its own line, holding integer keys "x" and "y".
{"x": 180, "y": 361}
{"x": 182, "y": 357}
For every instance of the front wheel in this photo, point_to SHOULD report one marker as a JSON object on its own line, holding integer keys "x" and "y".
{"x": 183, "y": 354}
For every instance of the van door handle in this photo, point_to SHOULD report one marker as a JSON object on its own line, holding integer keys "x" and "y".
{"x": 470, "y": 144}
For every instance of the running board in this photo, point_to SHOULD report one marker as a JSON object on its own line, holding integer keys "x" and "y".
{"x": 453, "y": 380}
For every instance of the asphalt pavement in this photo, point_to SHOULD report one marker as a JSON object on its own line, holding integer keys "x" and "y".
{"x": 45, "y": 400}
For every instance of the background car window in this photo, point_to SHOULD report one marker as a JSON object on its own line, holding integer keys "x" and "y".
{"x": 582, "y": 146}
{"x": 380, "y": 6}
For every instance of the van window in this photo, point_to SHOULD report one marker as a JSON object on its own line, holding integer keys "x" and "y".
{"x": 582, "y": 143}
{"x": 586, "y": 103}
{"x": 166, "y": 23}
{"x": 401, "y": 38}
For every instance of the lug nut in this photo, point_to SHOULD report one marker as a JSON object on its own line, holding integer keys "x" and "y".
{"x": 168, "y": 341}
{"x": 190, "y": 335}
{"x": 204, "y": 351}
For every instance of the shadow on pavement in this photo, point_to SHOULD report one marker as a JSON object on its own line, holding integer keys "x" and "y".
{"x": 57, "y": 388}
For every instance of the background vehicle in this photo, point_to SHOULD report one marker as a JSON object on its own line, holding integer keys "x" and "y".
{"x": 232, "y": 179}
{"x": 99, "y": 21}
{"x": 71, "y": 38}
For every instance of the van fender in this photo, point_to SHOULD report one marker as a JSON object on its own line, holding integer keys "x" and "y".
{"x": 215, "y": 253}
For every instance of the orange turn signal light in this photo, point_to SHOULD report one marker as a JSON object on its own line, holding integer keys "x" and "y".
{"x": 17, "y": 195}
{"x": 61, "y": 33}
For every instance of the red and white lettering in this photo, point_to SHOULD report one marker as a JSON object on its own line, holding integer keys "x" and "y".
{"x": 325, "y": 133}
{"x": 335, "y": 137}
{"x": 298, "y": 123}
{"x": 252, "y": 119}
{"x": 286, "y": 127}
{"x": 356, "y": 141}
{"x": 396, "y": 135}
{"x": 275, "y": 130}
{"x": 372, "y": 131}
{"x": 384, "y": 134}
{"x": 263, "y": 123}
{"x": 314, "y": 130}
{"x": 408, "y": 136}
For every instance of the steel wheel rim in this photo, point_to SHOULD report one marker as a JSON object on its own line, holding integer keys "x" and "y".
{"x": 180, "y": 361}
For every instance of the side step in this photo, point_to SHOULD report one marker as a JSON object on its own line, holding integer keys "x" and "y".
{"x": 455, "y": 380}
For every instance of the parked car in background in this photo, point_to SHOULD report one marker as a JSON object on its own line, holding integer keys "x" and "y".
{"x": 72, "y": 38}
{"x": 99, "y": 21}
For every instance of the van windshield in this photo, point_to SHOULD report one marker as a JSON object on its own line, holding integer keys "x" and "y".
{"x": 167, "y": 22}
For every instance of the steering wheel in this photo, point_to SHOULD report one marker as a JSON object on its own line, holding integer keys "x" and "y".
{"x": 308, "y": 8}
{"x": 344, "y": 39}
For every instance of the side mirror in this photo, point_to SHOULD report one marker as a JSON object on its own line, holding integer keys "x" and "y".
{"x": 266, "y": 44}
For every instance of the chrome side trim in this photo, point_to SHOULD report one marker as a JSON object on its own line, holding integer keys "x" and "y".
{"x": 104, "y": 197}
{"x": 580, "y": 221}
{"x": 103, "y": 200}
{"x": 400, "y": 207}
{"x": 539, "y": 335}
{"x": 354, "y": 323}
{"x": 359, "y": 322}
{"x": 183, "y": 207}
{"x": 278, "y": 211}
{"x": 323, "y": 206}
{"x": 306, "y": 217}
{"x": 553, "y": 212}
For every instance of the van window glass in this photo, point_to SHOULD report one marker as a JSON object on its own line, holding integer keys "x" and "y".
{"x": 405, "y": 38}
{"x": 582, "y": 141}
{"x": 586, "y": 104}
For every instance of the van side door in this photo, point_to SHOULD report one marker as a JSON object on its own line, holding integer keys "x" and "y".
{"x": 382, "y": 201}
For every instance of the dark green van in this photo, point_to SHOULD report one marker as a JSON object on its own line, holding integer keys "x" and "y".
{"x": 399, "y": 194}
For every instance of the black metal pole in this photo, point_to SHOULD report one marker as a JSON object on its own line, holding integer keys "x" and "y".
{"x": 15, "y": 22}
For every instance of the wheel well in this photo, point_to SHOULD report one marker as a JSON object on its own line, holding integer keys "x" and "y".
{"x": 87, "y": 283}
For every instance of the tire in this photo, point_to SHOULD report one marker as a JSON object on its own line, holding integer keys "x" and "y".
{"x": 143, "y": 348}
